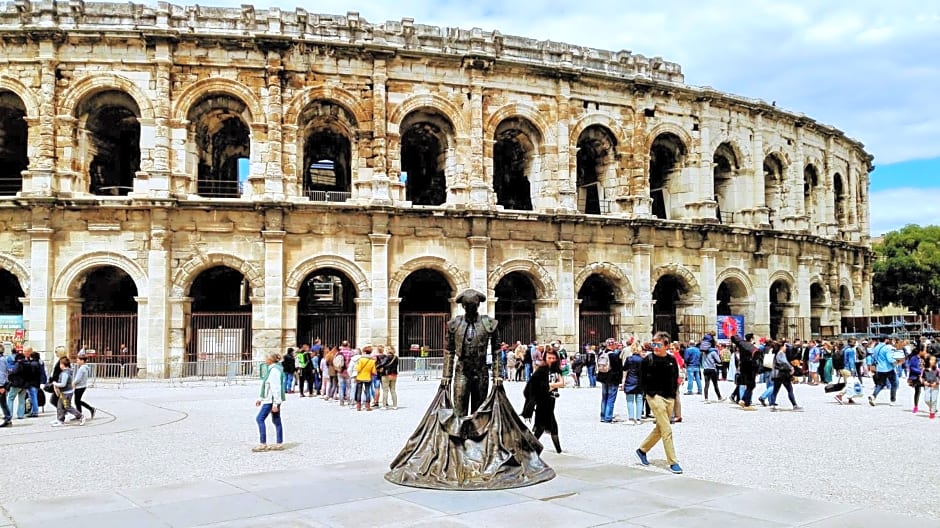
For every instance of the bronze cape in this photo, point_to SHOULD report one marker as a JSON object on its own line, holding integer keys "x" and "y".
{"x": 489, "y": 450}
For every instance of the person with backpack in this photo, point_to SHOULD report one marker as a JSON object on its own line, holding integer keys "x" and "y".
{"x": 341, "y": 362}
{"x": 304, "y": 368}
{"x": 693, "y": 368}
{"x": 853, "y": 385}
{"x": 65, "y": 389}
{"x": 749, "y": 359}
{"x": 289, "y": 365}
{"x": 783, "y": 375}
{"x": 610, "y": 373}
{"x": 659, "y": 375}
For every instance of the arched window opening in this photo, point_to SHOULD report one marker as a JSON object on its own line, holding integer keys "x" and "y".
{"x": 13, "y": 143}
{"x": 109, "y": 142}
{"x": 514, "y": 163}
{"x": 221, "y": 137}
{"x": 106, "y": 325}
{"x": 667, "y": 294}
{"x": 327, "y": 308}
{"x": 425, "y": 141}
{"x": 598, "y": 317}
{"x": 220, "y": 326}
{"x": 838, "y": 188}
{"x": 774, "y": 189}
{"x": 726, "y": 167}
{"x": 780, "y": 297}
{"x": 515, "y": 307}
{"x": 327, "y": 152}
{"x": 817, "y": 296}
{"x": 424, "y": 311}
{"x": 811, "y": 204}
{"x": 595, "y": 169}
{"x": 667, "y": 157}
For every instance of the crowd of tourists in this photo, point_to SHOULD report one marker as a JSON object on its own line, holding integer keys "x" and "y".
{"x": 25, "y": 381}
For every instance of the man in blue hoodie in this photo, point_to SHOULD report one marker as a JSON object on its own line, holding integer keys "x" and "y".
{"x": 882, "y": 359}
{"x": 693, "y": 368}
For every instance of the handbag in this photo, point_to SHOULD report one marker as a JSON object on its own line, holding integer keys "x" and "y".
{"x": 769, "y": 360}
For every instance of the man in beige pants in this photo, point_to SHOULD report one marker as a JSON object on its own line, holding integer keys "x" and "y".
{"x": 659, "y": 377}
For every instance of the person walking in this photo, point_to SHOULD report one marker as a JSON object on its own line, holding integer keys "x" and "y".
{"x": 711, "y": 363}
{"x": 540, "y": 393}
{"x": 390, "y": 379}
{"x": 270, "y": 400}
{"x": 81, "y": 384}
{"x": 883, "y": 362}
{"x": 65, "y": 389}
{"x": 931, "y": 379}
{"x": 610, "y": 374}
{"x": 783, "y": 377}
{"x": 659, "y": 375}
{"x": 748, "y": 361}
{"x": 915, "y": 368}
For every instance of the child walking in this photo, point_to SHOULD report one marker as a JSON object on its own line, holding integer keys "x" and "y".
{"x": 931, "y": 379}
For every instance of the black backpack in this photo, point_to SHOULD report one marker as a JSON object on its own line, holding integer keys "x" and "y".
{"x": 838, "y": 359}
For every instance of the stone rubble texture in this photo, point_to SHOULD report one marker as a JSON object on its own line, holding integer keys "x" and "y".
{"x": 279, "y": 65}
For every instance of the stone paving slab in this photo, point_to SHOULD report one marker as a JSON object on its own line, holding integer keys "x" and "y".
{"x": 584, "y": 494}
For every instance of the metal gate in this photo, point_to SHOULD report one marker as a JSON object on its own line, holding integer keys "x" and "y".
{"x": 596, "y": 327}
{"x": 219, "y": 337}
{"x": 101, "y": 335}
{"x": 423, "y": 329}
{"x": 684, "y": 328}
{"x": 516, "y": 327}
{"x": 789, "y": 327}
{"x": 331, "y": 328}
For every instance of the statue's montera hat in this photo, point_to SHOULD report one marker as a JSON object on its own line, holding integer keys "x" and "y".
{"x": 470, "y": 294}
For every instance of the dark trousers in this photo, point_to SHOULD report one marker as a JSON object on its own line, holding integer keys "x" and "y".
{"x": 306, "y": 378}
{"x": 783, "y": 382}
{"x": 748, "y": 388}
{"x": 711, "y": 376}
{"x": 469, "y": 392}
{"x": 78, "y": 400}
{"x": 7, "y": 416}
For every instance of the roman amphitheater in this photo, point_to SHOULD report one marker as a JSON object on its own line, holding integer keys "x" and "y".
{"x": 194, "y": 182}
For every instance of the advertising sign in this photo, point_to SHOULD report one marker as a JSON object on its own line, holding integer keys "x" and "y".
{"x": 729, "y": 325}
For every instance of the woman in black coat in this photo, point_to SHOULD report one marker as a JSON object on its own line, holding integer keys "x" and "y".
{"x": 540, "y": 393}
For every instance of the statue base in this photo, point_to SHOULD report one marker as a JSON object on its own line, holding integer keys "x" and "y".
{"x": 491, "y": 449}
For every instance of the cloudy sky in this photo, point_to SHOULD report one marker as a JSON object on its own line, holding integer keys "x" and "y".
{"x": 868, "y": 67}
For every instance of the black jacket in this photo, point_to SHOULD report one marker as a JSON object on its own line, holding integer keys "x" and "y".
{"x": 749, "y": 358}
{"x": 289, "y": 363}
{"x": 659, "y": 376}
{"x": 614, "y": 376}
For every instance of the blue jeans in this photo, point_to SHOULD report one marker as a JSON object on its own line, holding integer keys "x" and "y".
{"x": 34, "y": 400}
{"x": 634, "y": 405}
{"x": 344, "y": 388}
{"x": 20, "y": 409}
{"x": 528, "y": 371}
{"x": 288, "y": 382}
{"x": 592, "y": 375}
{"x": 887, "y": 380}
{"x": 769, "y": 391}
{"x": 608, "y": 399}
{"x": 275, "y": 417}
{"x": 694, "y": 373}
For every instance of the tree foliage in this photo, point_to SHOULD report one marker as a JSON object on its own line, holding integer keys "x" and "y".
{"x": 907, "y": 269}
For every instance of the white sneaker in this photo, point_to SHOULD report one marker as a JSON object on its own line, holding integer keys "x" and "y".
{"x": 57, "y": 423}
{"x": 82, "y": 422}
{"x": 54, "y": 422}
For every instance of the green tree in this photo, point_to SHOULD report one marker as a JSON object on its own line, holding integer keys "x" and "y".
{"x": 907, "y": 269}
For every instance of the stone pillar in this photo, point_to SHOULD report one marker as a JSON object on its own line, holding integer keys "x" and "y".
{"x": 708, "y": 280}
{"x": 272, "y": 171}
{"x": 289, "y": 320}
{"x": 697, "y": 178}
{"x": 796, "y": 217}
{"x": 39, "y": 325}
{"x": 381, "y": 305}
{"x": 155, "y": 320}
{"x": 257, "y": 183}
{"x": 271, "y": 338}
{"x": 382, "y": 188}
{"x": 478, "y": 265}
{"x": 567, "y": 296}
{"x": 760, "y": 278}
{"x": 181, "y": 332}
{"x": 394, "y": 324}
{"x": 41, "y": 180}
{"x": 642, "y": 269}
{"x": 804, "y": 308}
{"x": 562, "y": 193}
{"x": 159, "y": 173}
{"x": 482, "y": 193}
{"x": 760, "y": 216}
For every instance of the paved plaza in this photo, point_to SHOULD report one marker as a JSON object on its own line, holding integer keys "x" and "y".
{"x": 180, "y": 456}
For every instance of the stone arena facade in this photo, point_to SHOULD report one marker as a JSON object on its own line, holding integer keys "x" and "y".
{"x": 288, "y": 174}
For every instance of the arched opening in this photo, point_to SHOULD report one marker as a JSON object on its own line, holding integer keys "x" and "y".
{"x": 327, "y": 308}
{"x": 109, "y": 142}
{"x": 818, "y": 305}
{"x": 667, "y": 157}
{"x": 425, "y": 309}
{"x": 515, "y": 307}
{"x": 13, "y": 143}
{"x": 810, "y": 203}
{"x": 222, "y": 140}
{"x": 774, "y": 189}
{"x": 780, "y": 299}
{"x": 596, "y": 169}
{"x": 725, "y": 168}
{"x": 597, "y": 311}
{"x": 220, "y": 326}
{"x": 426, "y": 138}
{"x": 515, "y": 163}
{"x": 327, "y": 152}
{"x": 732, "y": 297}
{"x": 106, "y": 324}
{"x": 12, "y": 328}
{"x": 667, "y": 295}
{"x": 838, "y": 188}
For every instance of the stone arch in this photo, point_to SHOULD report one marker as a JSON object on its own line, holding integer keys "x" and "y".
{"x": 187, "y": 273}
{"x": 456, "y": 277}
{"x": 66, "y": 284}
{"x": 623, "y": 289}
{"x": 781, "y": 156}
{"x": 100, "y": 82}
{"x": 742, "y": 153}
{"x": 668, "y": 128}
{"x": 416, "y": 102}
{"x": 207, "y": 87}
{"x": 296, "y": 277}
{"x": 331, "y": 94}
{"x": 686, "y": 277}
{"x": 18, "y": 270}
{"x": 740, "y": 276}
{"x": 824, "y": 286}
{"x": 786, "y": 277}
{"x": 843, "y": 283}
{"x": 601, "y": 120}
{"x": 27, "y": 96}
{"x": 521, "y": 111}
{"x": 544, "y": 285}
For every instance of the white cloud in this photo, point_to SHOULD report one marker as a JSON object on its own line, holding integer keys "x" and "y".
{"x": 893, "y": 209}
{"x": 867, "y": 67}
